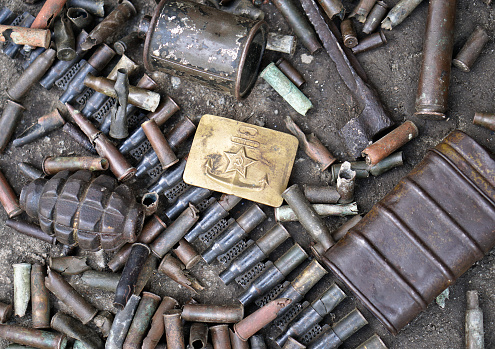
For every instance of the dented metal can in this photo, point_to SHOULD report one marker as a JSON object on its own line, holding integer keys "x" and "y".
{"x": 471, "y": 49}
{"x": 212, "y": 313}
{"x": 229, "y": 65}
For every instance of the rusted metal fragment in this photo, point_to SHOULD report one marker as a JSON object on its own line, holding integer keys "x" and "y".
{"x": 25, "y": 36}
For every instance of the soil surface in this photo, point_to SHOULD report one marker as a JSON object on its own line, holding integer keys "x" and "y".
{"x": 392, "y": 69}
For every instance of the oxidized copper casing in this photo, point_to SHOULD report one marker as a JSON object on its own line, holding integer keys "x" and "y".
{"x": 398, "y": 259}
{"x": 245, "y": 160}
{"x": 205, "y": 45}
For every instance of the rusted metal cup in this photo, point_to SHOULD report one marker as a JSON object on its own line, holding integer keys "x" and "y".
{"x": 212, "y": 313}
{"x": 8, "y": 198}
{"x": 471, "y": 49}
{"x": 25, "y": 36}
{"x": 389, "y": 143}
{"x": 52, "y": 165}
{"x": 229, "y": 64}
{"x": 434, "y": 78}
{"x": 291, "y": 72}
{"x": 172, "y": 322}
{"x": 159, "y": 143}
{"x": 370, "y": 42}
{"x": 40, "y": 300}
{"x": 220, "y": 337}
{"x": 33, "y": 337}
{"x": 147, "y": 307}
{"x": 260, "y": 318}
{"x": 70, "y": 297}
{"x": 157, "y": 328}
{"x": 11, "y": 115}
{"x": 485, "y": 120}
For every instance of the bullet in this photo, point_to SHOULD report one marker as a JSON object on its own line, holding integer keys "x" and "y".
{"x": 70, "y": 297}
{"x": 31, "y": 230}
{"x": 255, "y": 253}
{"x": 474, "y": 322}
{"x": 434, "y": 78}
{"x": 133, "y": 266}
{"x": 281, "y": 43}
{"x": 65, "y": 42}
{"x": 121, "y": 324}
{"x": 249, "y": 220}
{"x": 61, "y": 67}
{"x": 104, "y": 321}
{"x": 40, "y": 301}
{"x": 98, "y": 99}
{"x": 152, "y": 228}
{"x": 102, "y": 280}
{"x": 257, "y": 342}
{"x": 299, "y": 24}
{"x": 147, "y": 307}
{"x": 69, "y": 265}
{"x": 186, "y": 253}
{"x": 24, "y": 20}
{"x": 389, "y": 143}
{"x": 95, "y": 7}
{"x": 348, "y": 33}
{"x": 237, "y": 342}
{"x": 119, "y": 166}
{"x": 336, "y": 335}
{"x": 169, "y": 178}
{"x": 307, "y": 216}
{"x": 370, "y": 42}
{"x": 471, "y": 49}
{"x": 25, "y": 36}
{"x": 313, "y": 314}
{"x": 157, "y": 328}
{"x": 285, "y": 88}
{"x": 374, "y": 342}
{"x": 22, "y": 287}
{"x": 42, "y": 127}
{"x": 273, "y": 274}
{"x": 75, "y": 329}
{"x": 324, "y": 194}
{"x": 11, "y": 115}
{"x": 212, "y": 313}
{"x": 173, "y": 329}
{"x": 159, "y": 143}
{"x": 485, "y": 120}
{"x": 79, "y": 17}
{"x": 198, "y": 335}
{"x": 122, "y": 45}
{"x": 174, "y": 232}
{"x": 399, "y": 13}
{"x": 110, "y": 25}
{"x": 33, "y": 337}
{"x": 165, "y": 110}
{"x": 175, "y": 137}
{"x": 311, "y": 145}
{"x": 220, "y": 337}
{"x": 362, "y": 10}
{"x": 174, "y": 269}
{"x": 260, "y": 318}
{"x": 292, "y": 74}
{"x": 138, "y": 96}
{"x": 375, "y": 17}
{"x": 345, "y": 183}
{"x": 102, "y": 56}
{"x": 78, "y": 136}
{"x": 214, "y": 213}
{"x": 52, "y": 165}
{"x": 31, "y": 75}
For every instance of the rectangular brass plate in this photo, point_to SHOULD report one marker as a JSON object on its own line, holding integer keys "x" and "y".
{"x": 236, "y": 158}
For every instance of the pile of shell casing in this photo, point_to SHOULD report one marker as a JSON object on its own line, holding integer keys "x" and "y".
{"x": 119, "y": 119}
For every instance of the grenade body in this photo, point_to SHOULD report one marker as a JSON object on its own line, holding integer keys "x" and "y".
{"x": 93, "y": 212}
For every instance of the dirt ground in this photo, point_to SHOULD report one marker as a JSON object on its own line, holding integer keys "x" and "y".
{"x": 392, "y": 69}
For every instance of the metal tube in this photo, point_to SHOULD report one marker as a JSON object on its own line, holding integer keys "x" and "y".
{"x": 30, "y": 171}
{"x": 159, "y": 143}
{"x": 399, "y": 13}
{"x": 70, "y": 297}
{"x": 95, "y": 7}
{"x": 142, "y": 318}
{"x": 5, "y": 312}
{"x": 375, "y": 17}
{"x": 287, "y": 214}
{"x": 11, "y": 115}
{"x": 344, "y": 228}
{"x": 31, "y": 230}
{"x": 33, "y": 337}
{"x": 471, "y": 49}
{"x": 44, "y": 125}
{"x": 474, "y": 322}
{"x": 157, "y": 327}
{"x": 172, "y": 322}
{"x": 79, "y": 17}
{"x": 100, "y": 279}
{"x": 48, "y": 13}
{"x": 122, "y": 45}
{"x": 174, "y": 269}
{"x": 485, "y": 120}
{"x": 237, "y": 342}
{"x": 121, "y": 324}
{"x": 24, "y": 20}
{"x": 169, "y": 178}
{"x": 198, "y": 335}
{"x": 213, "y": 313}
{"x": 345, "y": 183}
{"x": 324, "y": 194}
{"x": 78, "y": 136}
{"x": 186, "y": 253}
{"x": 75, "y": 329}
{"x": 119, "y": 123}
{"x": 389, "y": 143}
{"x": 348, "y": 33}
{"x": 292, "y": 74}
{"x": 370, "y": 42}
{"x": 434, "y": 78}
{"x": 220, "y": 337}
{"x": 40, "y": 300}
{"x": 104, "y": 321}
{"x": 22, "y": 287}
{"x": 362, "y": 9}
{"x": 349, "y": 324}
{"x": 25, "y": 36}
{"x": 52, "y": 165}
{"x": 65, "y": 42}
{"x": 281, "y": 43}
{"x": 8, "y": 198}
{"x": 293, "y": 344}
